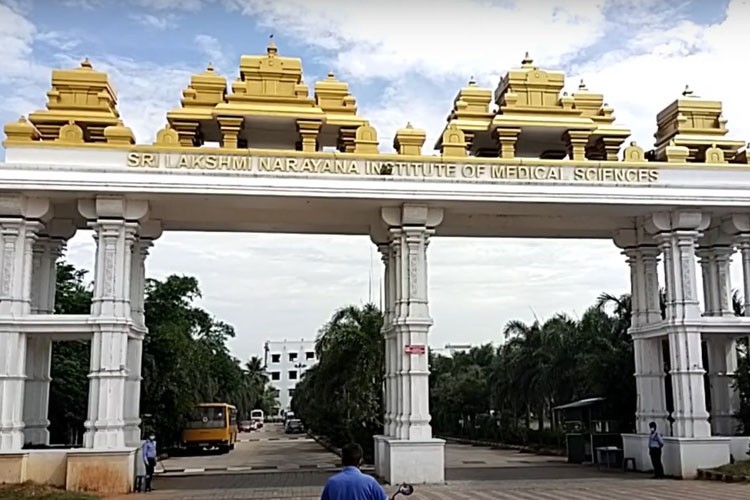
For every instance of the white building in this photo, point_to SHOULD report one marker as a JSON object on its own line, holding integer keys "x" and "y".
{"x": 286, "y": 361}
{"x": 451, "y": 349}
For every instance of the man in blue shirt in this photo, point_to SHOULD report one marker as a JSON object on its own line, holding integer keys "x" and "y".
{"x": 149, "y": 458}
{"x": 350, "y": 483}
{"x": 655, "y": 444}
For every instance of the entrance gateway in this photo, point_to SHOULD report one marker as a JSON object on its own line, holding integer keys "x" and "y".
{"x": 267, "y": 157}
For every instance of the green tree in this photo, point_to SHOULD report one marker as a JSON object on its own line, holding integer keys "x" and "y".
{"x": 342, "y": 396}
{"x": 186, "y": 360}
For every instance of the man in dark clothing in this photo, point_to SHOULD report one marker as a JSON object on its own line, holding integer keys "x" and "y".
{"x": 350, "y": 483}
{"x": 655, "y": 445}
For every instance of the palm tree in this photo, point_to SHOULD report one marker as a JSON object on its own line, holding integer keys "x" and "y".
{"x": 342, "y": 396}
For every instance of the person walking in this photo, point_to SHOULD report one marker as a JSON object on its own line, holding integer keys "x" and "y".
{"x": 149, "y": 458}
{"x": 350, "y": 483}
{"x": 655, "y": 445}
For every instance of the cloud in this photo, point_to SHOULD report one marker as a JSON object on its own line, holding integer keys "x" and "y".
{"x": 706, "y": 58}
{"x": 389, "y": 38}
{"x": 16, "y": 39}
{"x": 160, "y": 23}
{"x": 185, "y": 5}
{"x": 212, "y": 48}
{"x": 639, "y": 74}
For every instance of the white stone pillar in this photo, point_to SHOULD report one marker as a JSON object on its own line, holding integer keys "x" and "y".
{"x": 708, "y": 269}
{"x": 115, "y": 223}
{"x": 413, "y": 454}
{"x": 20, "y": 222}
{"x": 653, "y": 374}
{"x": 722, "y": 364}
{"x": 36, "y": 391}
{"x": 677, "y": 234}
{"x": 46, "y": 252}
{"x": 388, "y": 396}
{"x": 397, "y": 337}
{"x": 643, "y": 259}
{"x": 743, "y": 242}
{"x": 715, "y": 253}
{"x": 148, "y": 232}
{"x": 654, "y": 406}
{"x": 641, "y": 354}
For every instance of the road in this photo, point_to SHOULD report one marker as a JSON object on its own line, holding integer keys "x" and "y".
{"x": 271, "y": 465}
{"x": 266, "y": 450}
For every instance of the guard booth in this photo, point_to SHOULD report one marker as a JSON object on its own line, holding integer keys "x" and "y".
{"x": 587, "y": 426}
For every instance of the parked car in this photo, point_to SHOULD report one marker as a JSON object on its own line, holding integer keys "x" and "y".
{"x": 245, "y": 426}
{"x": 294, "y": 426}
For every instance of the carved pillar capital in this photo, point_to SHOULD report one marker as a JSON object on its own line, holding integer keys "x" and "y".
{"x": 412, "y": 215}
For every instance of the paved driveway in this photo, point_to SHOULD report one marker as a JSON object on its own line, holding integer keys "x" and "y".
{"x": 586, "y": 489}
{"x": 272, "y": 465}
{"x": 265, "y": 450}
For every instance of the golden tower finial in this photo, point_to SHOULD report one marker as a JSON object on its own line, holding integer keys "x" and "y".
{"x": 688, "y": 92}
{"x": 272, "y": 50}
{"x": 527, "y": 61}
{"x": 408, "y": 124}
{"x": 472, "y": 81}
{"x": 582, "y": 85}
{"x": 86, "y": 64}
{"x": 210, "y": 67}
{"x": 331, "y": 75}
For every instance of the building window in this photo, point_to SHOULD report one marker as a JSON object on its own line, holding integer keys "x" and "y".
{"x": 309, "y": 355}
{"x": 275, "y": 358}
{"x": 292, "y": 374}
{"x": 275, "y": 376}
{"x": 292, "y": 356}
{"x": 291, "y": 392}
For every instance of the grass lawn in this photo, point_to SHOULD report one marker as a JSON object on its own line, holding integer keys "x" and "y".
{"x": 36, "y": 492}
{"x": 738, "y": 468}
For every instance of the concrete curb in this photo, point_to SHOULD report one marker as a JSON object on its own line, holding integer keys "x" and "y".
{"x": 325, "y": 443}
{"x": 504, "y": 446}
{"x": 337, "y": 451}
{"x": 715, "y": 475}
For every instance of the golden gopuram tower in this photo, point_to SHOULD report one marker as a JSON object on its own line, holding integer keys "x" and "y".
{"x": 269, "y": 106}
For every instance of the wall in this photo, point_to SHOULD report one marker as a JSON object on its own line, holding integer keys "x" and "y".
{"x": 48, "y": 467}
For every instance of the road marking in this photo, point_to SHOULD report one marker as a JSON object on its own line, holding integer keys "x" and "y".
{"x": 255, "y": 468}
{"x": 254, "y": 440}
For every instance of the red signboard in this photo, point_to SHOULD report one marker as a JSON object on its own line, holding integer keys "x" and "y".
{"x": 415, "y": 349}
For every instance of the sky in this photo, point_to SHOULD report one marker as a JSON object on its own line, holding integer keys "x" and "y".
{"x": 404, "y": 61}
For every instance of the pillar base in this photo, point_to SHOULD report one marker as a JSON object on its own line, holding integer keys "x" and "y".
{"x": 414, "y": 462}
{"x": 379, "y": 460}
{"x": 102, "y": 472}
{"x": 13, "y": 467}
{"x": 681, "y": 457}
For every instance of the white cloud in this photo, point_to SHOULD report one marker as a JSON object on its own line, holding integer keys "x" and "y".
{"x": 16, "y": 39}
{"x": 186, "y": 5}
{"x": 160, "y": 23}
{"x": 390, "y": 37}
{"x": 709, "y": 59}
{"x": 212, "y": 48}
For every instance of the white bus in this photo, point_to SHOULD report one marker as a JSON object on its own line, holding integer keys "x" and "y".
{"x": 257, "y": 416}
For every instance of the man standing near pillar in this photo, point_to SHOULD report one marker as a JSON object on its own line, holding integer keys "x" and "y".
{"x": 149, "y": 458}
{"x": 655, "y": 445}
